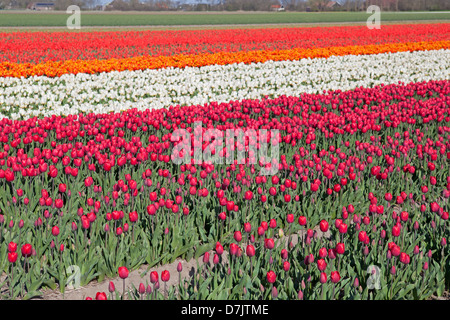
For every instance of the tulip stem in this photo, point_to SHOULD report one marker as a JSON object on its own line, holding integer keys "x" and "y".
{"x": 11, "y": 285}
{"x": 271, "y": 290}
{"x": 123, "y": 294}
{"x": 334, "y": 287}
{"x": 289, "y": 239}
{"x": 166, "y": 293}
{"x": 85, "y": 239}
{"x": 321, "y": 295}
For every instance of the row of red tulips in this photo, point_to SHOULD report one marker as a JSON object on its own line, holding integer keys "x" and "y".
{"x": 101, "y": 192}
{"x": 37, "y": 47}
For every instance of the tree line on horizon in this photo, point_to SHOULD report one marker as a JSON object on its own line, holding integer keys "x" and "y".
{"x": 239, "y": 5}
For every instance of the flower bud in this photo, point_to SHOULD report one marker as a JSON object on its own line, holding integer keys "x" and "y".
{"x": 323, "y": 277}
{"x": 366, "y": 250}
{"x": 274, "y": 292}
{"x": 141, "y": 288}
{"x": 111, "y": 287}
{"x": 216, "y": 259}
{"x": 393, "y": 270}
{"x": 206, "y": 257}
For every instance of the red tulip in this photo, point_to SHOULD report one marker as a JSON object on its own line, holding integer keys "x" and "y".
{"x": 12, "y": 247}
{"x": 133, "y": 216}
{"x": 269, "y": 244}
{"x": 404, "y": 258}
{"x": 395, "y": 250}
{"x": 250, "y": 250}
{"x": 205, "y": 259}
{"x": 12, "y": 257}
{"x": 323, "y": 277}
{"x": 26, "y": 250}
{"x": 265, "y": 225}
{"x": 55, "y": 231}
{"x": 343, "y": 228}
{"x": 323, "y": 253}
{"x": 123, "y": 272}
{"x": 271, "y": 277}
{"x": 302, "y": 221}
{"x": 85, "y": 223}
{"x": 101, "y": 296}
{"x": 340, "y": 248}
{"x": 237, "y": 236}
{"x": 141, "y": 288}
{"x": 284, "y": 254}
{"x": 151, "y": 209}
{"x": 153, "y": 277}
{"x": 323, "y": 226}
{"x": 321, "y": 264}
{"x": 165, "y": 276}
{"x": 388, "y": 197}
{"x": 290, "y": 218}
{"x": 219, "y": 248}
{"x": 362, "y": 236}
{"x": 335, "y": 276}
{"x": 396, "y": 230}
{"x": 287, "y": 198}
{"x": 272, "y": 191}
{"x": 273, "y": 223}
{"x": 404, "y": 216}
{"x": 234, "y": 249}
{"x": 260, "y": 231}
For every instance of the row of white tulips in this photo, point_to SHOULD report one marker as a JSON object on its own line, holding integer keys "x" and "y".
{"x": 147, "y": 89}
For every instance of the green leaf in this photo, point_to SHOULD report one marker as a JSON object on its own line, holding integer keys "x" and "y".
{"x": 50, "y": 283}
{"x": 35, "y": 285}
{"x": 403, "y": 292}
{"x": 32, "y": 294}
{"x": 215, "y": 292}
{"x": 202, "y": 249}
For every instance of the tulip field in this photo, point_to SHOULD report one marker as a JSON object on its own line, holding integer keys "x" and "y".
{"x": 356, "y": 206}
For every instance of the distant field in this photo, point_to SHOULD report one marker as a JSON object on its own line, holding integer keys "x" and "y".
{"x": 55, "y": 19}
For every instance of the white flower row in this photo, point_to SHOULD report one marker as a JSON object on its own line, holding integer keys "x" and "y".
{"x": 147, "y": 89}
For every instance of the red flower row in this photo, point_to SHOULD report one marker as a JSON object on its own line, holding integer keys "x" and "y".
{"x": 38, "y": 47}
